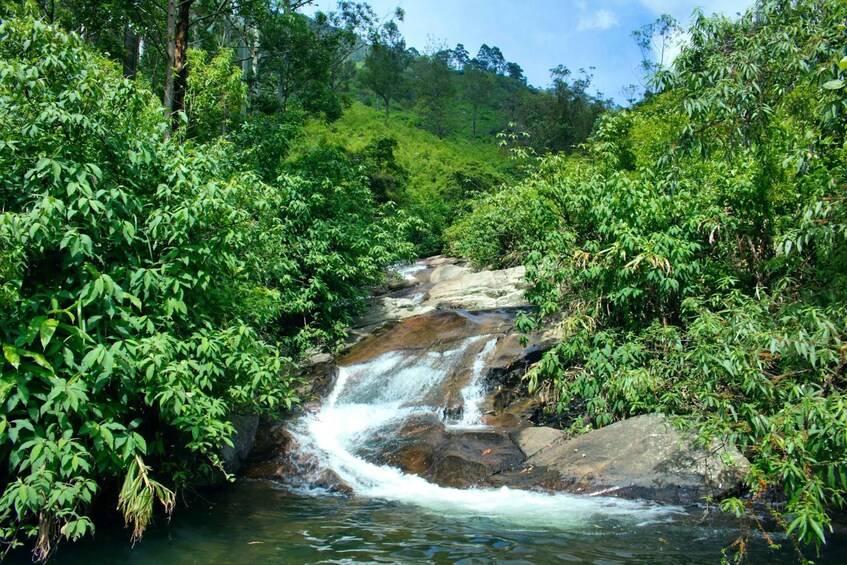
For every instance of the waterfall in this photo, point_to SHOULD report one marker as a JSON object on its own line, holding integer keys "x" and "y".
{"x": 474, "y": 393}
{"x": 378, "y": 395}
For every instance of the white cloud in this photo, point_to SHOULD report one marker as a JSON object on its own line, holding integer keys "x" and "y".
{"x": 601, "y": 19}
{"x": 682, "y": 9}
{"x": 672, "y": 50}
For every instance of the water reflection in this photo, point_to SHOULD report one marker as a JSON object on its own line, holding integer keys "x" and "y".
{"x": 256, "y": 522}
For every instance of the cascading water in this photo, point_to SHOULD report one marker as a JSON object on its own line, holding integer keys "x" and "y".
{"x": 376, "y": 396}
{"x": 474, "y": 393}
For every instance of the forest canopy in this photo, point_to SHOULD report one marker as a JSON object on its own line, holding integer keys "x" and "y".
{"x": 196, "y": 195}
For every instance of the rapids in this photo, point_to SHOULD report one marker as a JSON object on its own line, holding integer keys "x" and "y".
{"x": 373, "y": 396}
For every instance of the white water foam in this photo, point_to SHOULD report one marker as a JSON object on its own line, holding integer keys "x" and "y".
{"x": 380, "y": 394}
{"x": 474, "y": 392}
{"x": 410, "y": 271}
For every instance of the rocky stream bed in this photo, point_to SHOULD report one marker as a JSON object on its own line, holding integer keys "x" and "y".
{"x": 440, "y": 309}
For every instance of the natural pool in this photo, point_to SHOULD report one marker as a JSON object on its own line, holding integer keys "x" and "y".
{"x": 257, "y": 522}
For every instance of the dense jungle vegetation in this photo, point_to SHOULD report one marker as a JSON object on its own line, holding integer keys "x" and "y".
{"x": 195, "y": 194}
{"x": 695, "y": 256}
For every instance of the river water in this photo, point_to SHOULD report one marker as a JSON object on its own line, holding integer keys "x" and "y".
{"x": 393, "y": 517}
{"x": 259, "y": 522}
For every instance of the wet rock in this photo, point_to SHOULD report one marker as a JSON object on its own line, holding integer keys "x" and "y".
{"x": 505, "y": 381}
{"x": 449, "y": 458}
{"x": 643, "y": 457}
{"x": 503, "y": 421}
{"x": 409, "y": 448}
{"x": 328, "y": 480}
{"x": 433, "y": 332}
{"x": 317, "y": 379}
{"x": 528, "y": 477}
{"x": 277, "y": 456}
{"x": 453, "y": 412}
{"x": 269, "y": 457}
{"x": 465, "y": 459}
{"x": 233, "y": 457}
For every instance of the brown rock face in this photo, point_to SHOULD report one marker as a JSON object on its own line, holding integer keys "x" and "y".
{"x": 410, "y": 447}
{"x": 450, "y": 458}
{"x": 436, "y": 331}
{"x": 471, "y": 458}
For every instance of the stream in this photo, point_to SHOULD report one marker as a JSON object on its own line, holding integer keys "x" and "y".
{"x": 384, "y": 515}
{"x": 260, "y": 522}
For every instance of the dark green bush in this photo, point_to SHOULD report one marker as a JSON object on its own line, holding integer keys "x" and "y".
{"x": 148, "y": 288}
{"x": 697, "y": 258}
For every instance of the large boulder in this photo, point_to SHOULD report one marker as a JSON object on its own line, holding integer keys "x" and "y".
{"x": 641, "y": 457}
{"x": 448, "y": 457}
{"x": 485, "y": 290}
{"x": 233, "y": 456}
{"x": 409, "y": 447}
{"x": 533, "y": 440}
{"x": 470, "y": 458}
{"x": 448, "y": 272}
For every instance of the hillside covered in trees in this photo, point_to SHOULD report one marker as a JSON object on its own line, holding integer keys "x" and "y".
{"x": 196, "y": 194}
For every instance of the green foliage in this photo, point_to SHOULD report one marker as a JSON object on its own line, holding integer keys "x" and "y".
{"x": 435, "y": 90}
{"x": 216, "y": 97}
{"x": 430, "y": 178}
{"x": 301, "y": 63}
{"x": 336, "y": 244}
{"x": 149, "y": 288}
{"x": 491, "y": 237}
{"x": 695, "y": 258}
{"x": 385, "y": 63}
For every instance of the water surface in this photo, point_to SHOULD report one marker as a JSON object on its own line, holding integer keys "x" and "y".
{"x": 258, "y": 522}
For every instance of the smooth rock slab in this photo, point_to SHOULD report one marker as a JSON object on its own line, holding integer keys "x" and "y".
{"x": 533, "y": 440}
{"x": 469, "y": 458}
{"x": 448, "y": 272}
{"x": 485, "y": 290}
{"x": 644, "y": 457}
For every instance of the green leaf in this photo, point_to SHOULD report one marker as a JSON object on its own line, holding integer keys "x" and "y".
{"x": 834, "y": 84}
{"x": 33, "y": 328}
{"x": 11, "y": 355}
{"x": 6, "y": 385}
{"x": 38, "y": 358}
{"x": 48, "y": 328}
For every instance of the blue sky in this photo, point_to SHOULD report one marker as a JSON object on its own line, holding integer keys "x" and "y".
{"x": 540, "y": 34}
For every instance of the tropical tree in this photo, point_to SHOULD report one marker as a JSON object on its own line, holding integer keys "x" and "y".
{"x": 385, "y": 63}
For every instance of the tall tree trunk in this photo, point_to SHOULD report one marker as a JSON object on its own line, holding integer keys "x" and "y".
{"x": 168, "y": 98}
{"x": 281, "y": 97}
{"x": 387, "y": 100}
{"x": 180, "y": 61}
{"x": 132, "y": 43}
